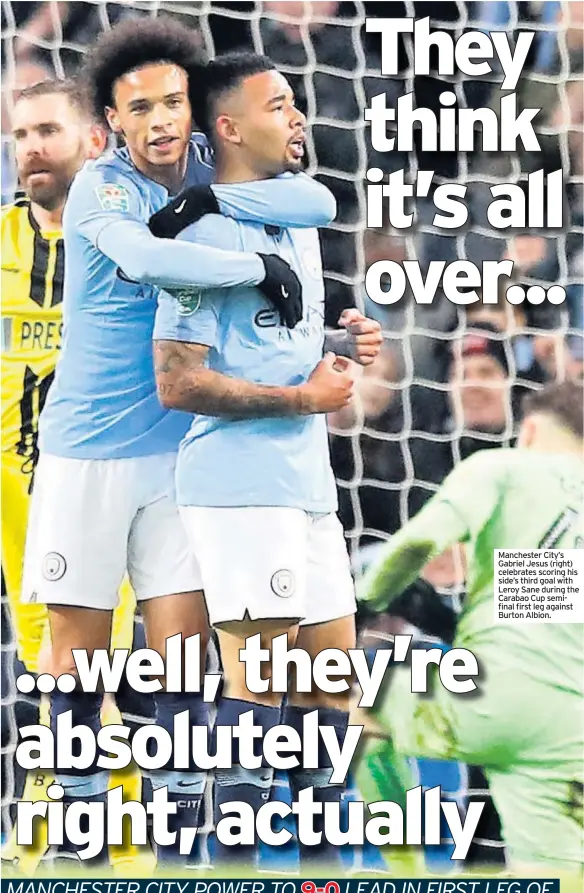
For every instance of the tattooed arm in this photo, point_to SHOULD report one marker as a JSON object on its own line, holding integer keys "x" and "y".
{"x": 184, "y": 382}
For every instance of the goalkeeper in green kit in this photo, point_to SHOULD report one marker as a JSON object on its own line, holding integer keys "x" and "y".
{"x": 525, "y": 723}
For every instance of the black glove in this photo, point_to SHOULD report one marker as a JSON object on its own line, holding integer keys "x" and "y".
{"x": 282, "y": 288}
{"x": 419, "y": 605}
{"x": 188, "y": 207}
{"x": 423, "y": 607}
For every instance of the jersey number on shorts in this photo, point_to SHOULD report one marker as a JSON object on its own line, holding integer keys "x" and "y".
{"x": 34, "y": 395}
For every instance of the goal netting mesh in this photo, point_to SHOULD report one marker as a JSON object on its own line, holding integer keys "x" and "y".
{"x": 412, "y": 420}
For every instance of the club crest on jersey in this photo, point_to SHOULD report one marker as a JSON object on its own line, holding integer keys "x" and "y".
{"x": 188, "y": 300}
{"x": 54, "y": 566}
{"x": 113, "y": 197}
{"x": 282, "y": 583}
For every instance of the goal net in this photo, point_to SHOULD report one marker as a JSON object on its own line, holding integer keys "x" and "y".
{"x": 412, "y": 420}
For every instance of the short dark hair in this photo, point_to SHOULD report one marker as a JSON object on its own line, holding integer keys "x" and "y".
{"x": 70, "y": 88}
{"x": 563, "y": 401}
{"x": 134, "y": 43}
{"x": 223, "y": 74}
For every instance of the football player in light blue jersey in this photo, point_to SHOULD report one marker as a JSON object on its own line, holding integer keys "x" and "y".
{"x": 104, "y": 497}
{"x": 254, "y": 480}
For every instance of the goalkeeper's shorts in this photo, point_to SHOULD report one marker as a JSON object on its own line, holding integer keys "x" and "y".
{"x": 528, "y": 737}
{"x": 93, "y": 519}
{"x": 271, "y": 563}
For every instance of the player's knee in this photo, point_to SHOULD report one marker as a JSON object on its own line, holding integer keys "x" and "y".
{"x": 196, "y": 624}
{"x": 59, "y": 661}
{"x": 165, "y": 618}
{"x": 80, "y": 629}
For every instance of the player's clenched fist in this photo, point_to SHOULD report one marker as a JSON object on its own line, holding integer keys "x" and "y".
{"x": 329, "y": 388}
{"x": 363, "y": 335}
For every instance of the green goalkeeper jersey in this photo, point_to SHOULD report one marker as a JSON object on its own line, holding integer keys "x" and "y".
{"x": 497, "y": 499}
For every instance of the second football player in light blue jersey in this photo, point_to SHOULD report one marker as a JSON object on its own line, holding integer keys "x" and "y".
{"x": 104, "y": 500}
{"x": 103, "y": 404}
{"x": 255, "y": 485}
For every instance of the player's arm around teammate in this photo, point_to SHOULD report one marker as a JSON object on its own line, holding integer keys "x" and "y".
{"x": 105, "y": 440}
{"x": 254, "y": 480}
{"x": 54, "y": 133}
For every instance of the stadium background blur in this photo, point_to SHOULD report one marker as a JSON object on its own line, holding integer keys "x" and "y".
{"x": 412, "y": 419}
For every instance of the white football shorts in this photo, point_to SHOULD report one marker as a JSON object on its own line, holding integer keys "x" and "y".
{"x": 271, "y": 563}
{"x": 91, "y": 520}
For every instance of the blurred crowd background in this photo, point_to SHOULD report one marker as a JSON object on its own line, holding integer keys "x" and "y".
{"x": 449, "y": 380}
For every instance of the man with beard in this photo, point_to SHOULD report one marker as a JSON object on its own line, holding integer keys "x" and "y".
{"x": 54, "y": 133}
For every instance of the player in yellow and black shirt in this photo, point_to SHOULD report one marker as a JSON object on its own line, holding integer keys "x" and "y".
{"x": 32, "y": 291}
{"x": 53, "y": 136}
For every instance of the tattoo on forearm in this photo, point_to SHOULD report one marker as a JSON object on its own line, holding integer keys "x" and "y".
{"x": 182, "y": 375}
{"x": 214, "y": 394}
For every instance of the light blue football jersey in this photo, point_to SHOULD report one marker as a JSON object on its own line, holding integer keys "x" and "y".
{"x": 103, "y": 402}
{"x": 255, "y": 462}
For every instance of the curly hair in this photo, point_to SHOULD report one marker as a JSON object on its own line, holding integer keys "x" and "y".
{"x": 133, "y": 44}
